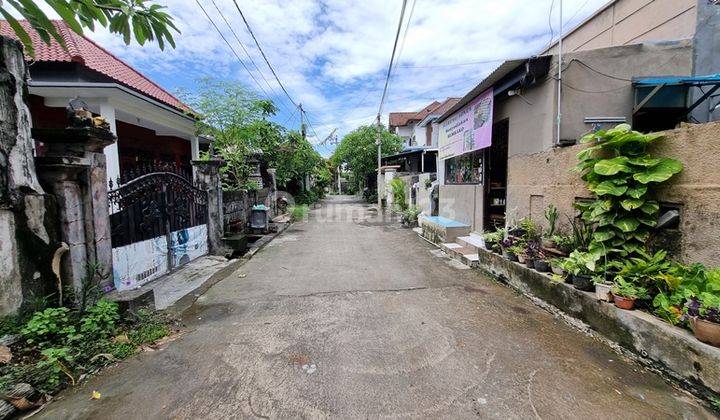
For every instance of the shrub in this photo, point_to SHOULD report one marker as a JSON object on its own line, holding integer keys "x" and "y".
{"x": 410, "y": 215}
{"x": 397, "y": 186}
{"x": 621, "y": 173}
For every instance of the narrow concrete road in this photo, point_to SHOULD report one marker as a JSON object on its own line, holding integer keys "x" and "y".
{"x": 351, "y": 316}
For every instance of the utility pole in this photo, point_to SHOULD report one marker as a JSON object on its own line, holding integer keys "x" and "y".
{"x": 379, "y": 161}
{"x": 302, "y": 122}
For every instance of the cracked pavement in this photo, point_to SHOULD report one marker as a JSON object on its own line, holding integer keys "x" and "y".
{"x": 348, "y": 315}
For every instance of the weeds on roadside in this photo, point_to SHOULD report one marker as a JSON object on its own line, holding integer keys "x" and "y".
{"x": 299, "y": 212}
{"x": 60, "y": 345}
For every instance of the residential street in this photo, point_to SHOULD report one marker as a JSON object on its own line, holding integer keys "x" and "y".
{"x": 350, "y": 316}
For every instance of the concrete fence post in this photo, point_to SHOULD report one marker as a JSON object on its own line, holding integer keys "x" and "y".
{"x": 73, "y": 168}
{"x": 207, "y": 178}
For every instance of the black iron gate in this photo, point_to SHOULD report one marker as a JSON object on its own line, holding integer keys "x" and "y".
{"x": 153, "y": 206}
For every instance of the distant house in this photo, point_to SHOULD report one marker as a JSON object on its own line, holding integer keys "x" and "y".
{"x": 417, "y": 128}
{"x": 152, "y": 125}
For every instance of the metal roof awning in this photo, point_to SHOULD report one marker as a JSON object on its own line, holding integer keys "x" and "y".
{"x": 658, "y": 83}
{"x": 410, "y": 151}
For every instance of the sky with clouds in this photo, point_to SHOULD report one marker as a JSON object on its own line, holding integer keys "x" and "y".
{"x": 332, "y": 55}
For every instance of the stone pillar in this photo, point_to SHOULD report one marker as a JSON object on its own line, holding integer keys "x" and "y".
{"x": 207, "y": 178}
{"x": 74, "y": 170}
{"x": 112, "y": 156}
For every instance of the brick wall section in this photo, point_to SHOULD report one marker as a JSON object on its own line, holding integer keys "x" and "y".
{"x": 538, "y": 179}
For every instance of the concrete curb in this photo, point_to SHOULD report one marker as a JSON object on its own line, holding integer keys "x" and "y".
{"x": 671, "y": 350}
{"x": 184, "y": 303}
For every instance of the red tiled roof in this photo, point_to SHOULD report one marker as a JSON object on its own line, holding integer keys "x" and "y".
{"x": 399, "y": 119}
{"x": 443, "y": 107}
{"x": 81, "y": 49}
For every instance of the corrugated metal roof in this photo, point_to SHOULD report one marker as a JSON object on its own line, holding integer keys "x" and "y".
{"x": 503, "y": 70}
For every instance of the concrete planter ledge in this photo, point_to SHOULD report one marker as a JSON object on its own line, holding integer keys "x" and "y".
{"x": 657, "y": 344}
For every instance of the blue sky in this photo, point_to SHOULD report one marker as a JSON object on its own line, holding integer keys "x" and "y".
{"x": 332, "y": 55}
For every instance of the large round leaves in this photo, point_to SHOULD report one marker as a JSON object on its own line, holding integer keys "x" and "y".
{"x": 661, "y": 172}
{"x": 612, "y": 166}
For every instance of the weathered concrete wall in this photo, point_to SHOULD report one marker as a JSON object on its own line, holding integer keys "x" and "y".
{"x": 463, "y": 203}
{"x": 656, "y": 343}
{"x": 586, "y": 93}
{"x": 696, "y": 190}
{"x": 423, "y": 194}
{"x": 28, "y": 236}
{"x": 626, "y": 22}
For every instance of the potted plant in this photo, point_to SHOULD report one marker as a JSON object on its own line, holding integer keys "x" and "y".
{"x": 410, "y": 216}
{"x": 563, "y": 243}
{"x": 492, "y": 238}
{"x": 603, "y": 289}
{"x": 506, "y": 246}
{"x": 537, "y": 257}
{"x": 704, "y": 312}
{"x": 582, "y": 266}
{"x": 625, "y": 293}
{"x": 556, "y": 265}
{"x": 519, "y": 250}
{"x": 551, "y": 215}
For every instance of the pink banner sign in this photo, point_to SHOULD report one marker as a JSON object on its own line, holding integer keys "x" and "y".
{"x": 468, "y": 129}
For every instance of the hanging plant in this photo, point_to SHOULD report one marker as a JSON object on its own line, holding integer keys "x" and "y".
{"x": 622, "y": 175}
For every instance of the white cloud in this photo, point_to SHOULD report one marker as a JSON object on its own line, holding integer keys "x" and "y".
{"x": 332, "y": 55}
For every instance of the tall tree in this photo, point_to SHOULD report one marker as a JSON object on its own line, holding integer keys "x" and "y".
{"x": 138, "y": 19}
{"x": 359, "y": 152}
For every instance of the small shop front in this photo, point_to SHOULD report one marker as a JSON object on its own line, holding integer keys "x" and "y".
{"x": 473, "y": 167}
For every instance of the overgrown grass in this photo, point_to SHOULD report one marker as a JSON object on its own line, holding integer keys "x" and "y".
{"x": 299, "y": 212}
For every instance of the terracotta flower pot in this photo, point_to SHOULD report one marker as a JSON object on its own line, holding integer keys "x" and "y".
{"x": 706, "y": 331}
{"x": 623, "y": 302}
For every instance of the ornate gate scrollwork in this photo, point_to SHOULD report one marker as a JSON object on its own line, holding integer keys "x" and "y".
{"x": 155, "y": 205}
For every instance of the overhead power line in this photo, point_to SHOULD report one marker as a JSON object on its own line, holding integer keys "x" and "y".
{"x": 263, "y": 52}
{"x": 231, "y": 48}
{"x": 392, "y": 59}
{"x": 247, "y": 54}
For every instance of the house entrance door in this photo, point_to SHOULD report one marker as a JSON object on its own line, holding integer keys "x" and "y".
{"x": 158, "y": 223}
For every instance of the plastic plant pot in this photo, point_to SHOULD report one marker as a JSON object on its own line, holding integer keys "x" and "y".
{"x": 583, "y": 282}
{"x": 542, "y": 266}
{"x": 602, "y": 292}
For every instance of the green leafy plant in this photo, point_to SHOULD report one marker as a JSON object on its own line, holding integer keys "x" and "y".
{"x": 618, "y": 169}
{"x": 581, "y": 263}
{"x": 100, "y": 320}
{"x": 551, "y": 215}
{"x": 410, "y": 215}
{"x": 494, "y": 237}
{"x": 682, "y": 283}
{"x": 397, "y": 186}
{"x": 49, "y": 327}
{"x": 530, "y": 228}
{"x": 564, "y": 243}
{"x": 646, "y": 270}
{"x": 581, "y": 233}
{"x": 139, "y": 19}
{"x": 628, "y": 289}
{"x": 299, "y": 212}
